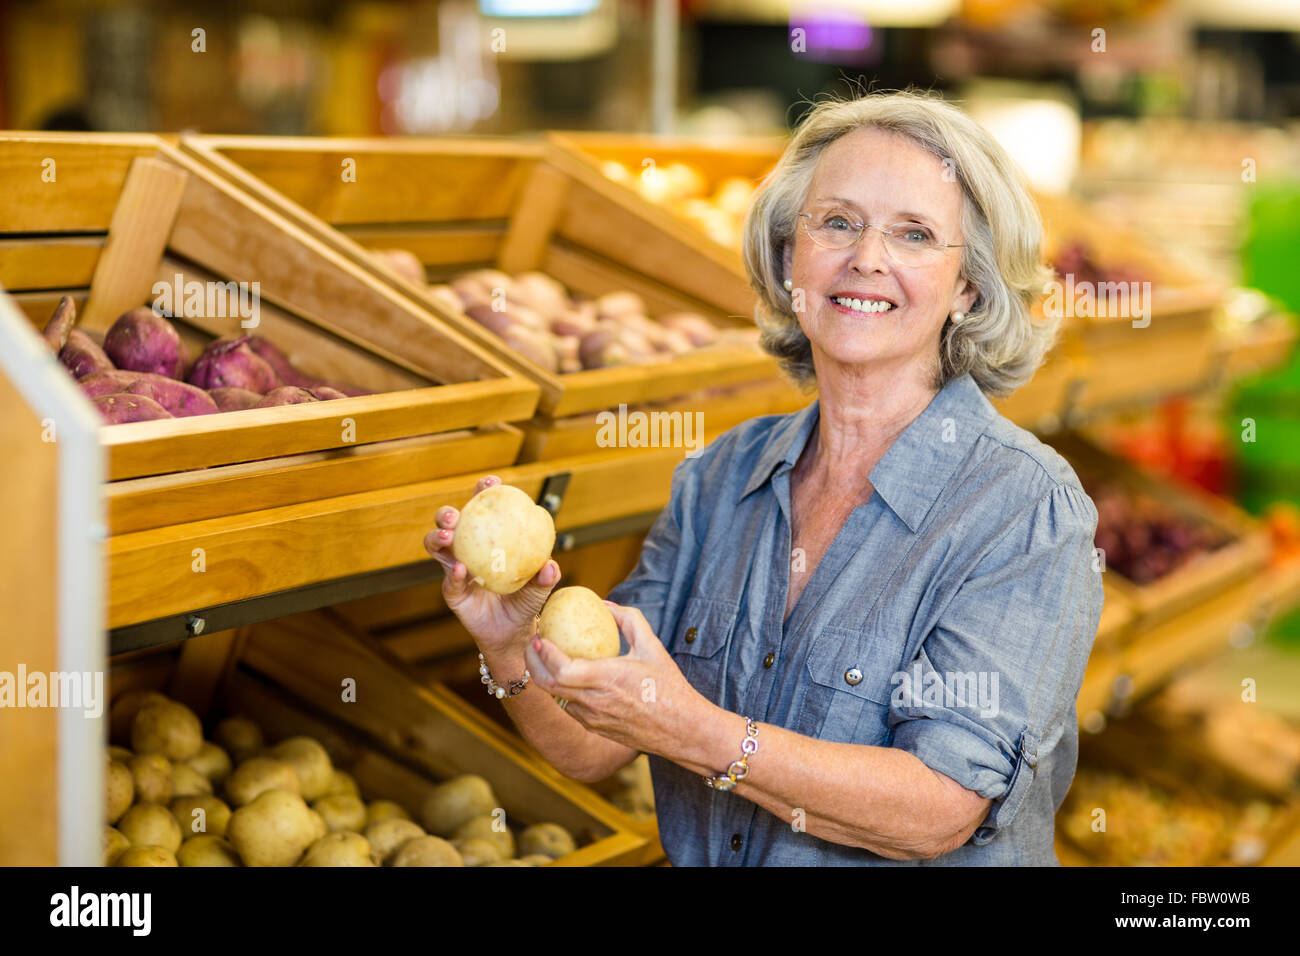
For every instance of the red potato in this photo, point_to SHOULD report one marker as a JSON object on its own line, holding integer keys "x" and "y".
{"x": 287, "y": 395}
{"x": 143, "y": 341}
{"x": 697, "y": 328}
{"x": 83, "y": 357}
{"x": 490, "y": 319}
{"x": 231, "y": 363}
{"x": 470, "y": 291}
{"x": 537, "y": 347}
{"x": 603, "y": 348}
{"x": 60, "y": 324}
{"x": 543, "y": 293}
{"x": 233, "y": 399}
{"x": 121, "y": 409}
{"x": 571, "y": 322}
{"x": 403, "y": 262}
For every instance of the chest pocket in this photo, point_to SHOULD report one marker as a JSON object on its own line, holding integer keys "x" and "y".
{"x": 846, "y": 688}
{"x": 700, "y": 641}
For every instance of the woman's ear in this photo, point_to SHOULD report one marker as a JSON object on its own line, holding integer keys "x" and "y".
{"x": 965, "y": 296}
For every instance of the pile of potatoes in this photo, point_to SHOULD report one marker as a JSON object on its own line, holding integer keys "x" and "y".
{"x": 537, "y": 317}
{"x": 635, "y": 795}
{"x": 176, "y": 799}
{"x": 717, "y": 211}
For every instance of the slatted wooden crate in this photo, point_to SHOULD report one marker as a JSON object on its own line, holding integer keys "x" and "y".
{"x": 396, "y": 740}
{"x": 1196, "y": 583}
{"x": 105, "y": 217}
{"x": 463, "y": 204}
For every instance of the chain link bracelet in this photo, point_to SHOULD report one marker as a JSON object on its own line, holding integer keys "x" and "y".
{"x": 495, "y": 689}
{"x": 739, "y": 769}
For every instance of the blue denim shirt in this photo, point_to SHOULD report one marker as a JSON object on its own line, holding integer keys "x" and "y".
{"x": 952, "y": 617}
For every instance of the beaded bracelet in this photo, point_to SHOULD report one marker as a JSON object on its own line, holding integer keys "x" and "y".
{"x": 495, "y": 689}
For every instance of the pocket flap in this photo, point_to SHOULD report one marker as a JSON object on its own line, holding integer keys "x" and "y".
{"x": 849, "y": 660}
{"x": 704, "y": 627}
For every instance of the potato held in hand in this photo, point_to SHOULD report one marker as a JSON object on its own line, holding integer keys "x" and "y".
{"x": 503, "y": 538}
{"x": 577, "y": 621}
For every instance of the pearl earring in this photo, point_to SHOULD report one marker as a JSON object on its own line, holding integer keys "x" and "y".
{"x": 957, "y": 317}
{"x": 789, "y": 285}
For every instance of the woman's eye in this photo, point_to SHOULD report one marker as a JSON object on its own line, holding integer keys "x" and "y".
{"x": 915, "y": 234}
{"x": 836, "y": 223}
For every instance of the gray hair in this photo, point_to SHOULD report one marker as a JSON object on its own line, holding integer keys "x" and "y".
{"x": 997, "y": 342}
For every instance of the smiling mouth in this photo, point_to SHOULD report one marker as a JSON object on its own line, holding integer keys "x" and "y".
{"x": 865, "y": 306}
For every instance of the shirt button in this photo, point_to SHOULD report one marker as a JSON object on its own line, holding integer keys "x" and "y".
{"x": 767, "y": 661}
{"x": 853, "y": 677}
{"x": 736, "y": 841}
{"x": 690, "y": 635}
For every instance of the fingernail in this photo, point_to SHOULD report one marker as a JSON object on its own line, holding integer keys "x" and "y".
{"x": 610, "y": 604}
{"x": 537, "y": 644}
{"x": 444, "y": 534}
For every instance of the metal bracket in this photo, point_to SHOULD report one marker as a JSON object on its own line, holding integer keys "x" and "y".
{"x": 553, "y": 489}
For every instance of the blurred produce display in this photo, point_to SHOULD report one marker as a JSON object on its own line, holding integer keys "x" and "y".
{"x": 1145, "y": 825}
{"x": 174, "y": 798}
{"x": 1074, "y": 257}
{"x": 1144, "y": 538}
{"x": 718, "y": 212}
{"x": 636, "y": 796}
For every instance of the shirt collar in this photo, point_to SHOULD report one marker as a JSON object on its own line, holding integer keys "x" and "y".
{"x": 917, "y": 466}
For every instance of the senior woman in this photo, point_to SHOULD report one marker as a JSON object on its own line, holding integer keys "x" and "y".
{"x": 856, "y": 634}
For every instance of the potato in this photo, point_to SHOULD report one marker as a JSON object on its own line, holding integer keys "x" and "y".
{"x": 152, "y": 775}
{"x": 378, "y": 810}
{"x": 546, "y": 839}
{"x": 121, "y": 714}
{"x": 212, "y": 762}
{"x": 207, "y": 850}
{"x": 577, "y": 621}
{"x": 120, "y": 787}
{"x": 487, "y": 828}
{"x": 123, "y": 409}
{"x": 120, "y": 754}
{"x": 273, "y": 830}
{"x": 454, "y": 803}
{"x": 239, "y": 737}
{"x": 188, "y": 782}
{"x": 699, "y": 330}
{"x": 81, "y": 356}
{"x": 310, "y": 761}
{"x": 402, "y": 261}
{"x": 60, "y": 325}
{"x": 535, "y": 345}
{"x": 507, "y": 863}
{"x": 339, "y": 849}
{"x": 148, "y": 824}
{"x": 426, "y": 851}
{"x": 229, "y": 399}
{"x": 168, "y": 728}
{"x": 286, "y": 395}
{"x": 342, "y": 811}
{"x": 143, "y": 341}
{"x": 213, "y": 820}
{"x": 446, "y": 296}
{"x": 477, "y": 852}
{"x": 114, "y": 845}
{"x": 319, "y": 826}
{"x": 535, "y": 859}
{"x": 147, "y": 856}
{"x": 342, "y": 784}
{"x": 386, "y": 836}
{"x": 619, "y": 303}
{"x": 256, "y": 775}
{"x": 503, "y": 538}
{"x": 231, "y": 363}
{"x": 495, "y": 321}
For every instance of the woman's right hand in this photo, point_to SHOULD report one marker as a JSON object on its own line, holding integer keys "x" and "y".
{"x": 497, "y": 622}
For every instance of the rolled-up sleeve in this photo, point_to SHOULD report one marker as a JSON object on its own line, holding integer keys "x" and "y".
{"x": 995, "y": 680}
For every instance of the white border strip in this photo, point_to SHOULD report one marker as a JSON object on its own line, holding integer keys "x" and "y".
{"x": 83, "y": 643}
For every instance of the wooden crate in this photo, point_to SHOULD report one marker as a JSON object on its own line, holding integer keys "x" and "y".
{"x": 121, "y": 213}
{"x": 1116, "y": 363}
{"x": 211, "y": 677}
{"x": 461, "y": 204}
{"x": 1134, "y": 750}
{"x": 435, "y": 732}
{"x": 1236, "y": 564}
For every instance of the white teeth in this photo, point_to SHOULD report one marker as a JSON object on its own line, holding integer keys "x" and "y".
{"x": 859, "y": 305}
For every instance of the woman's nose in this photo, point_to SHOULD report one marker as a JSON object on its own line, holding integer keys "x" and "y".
{"x": 869, "y": 252}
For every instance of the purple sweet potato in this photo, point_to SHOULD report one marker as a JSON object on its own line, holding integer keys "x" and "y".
{"x": 60, "y": 324}
{"x": 325, "y": 393}
{"x": 290, "y": 374}
{"x": 180, "y": 400}
{"x": 143, "y": 341}
{"x": 230, "y": 363}
{"x": 83, "y": 357}
{"x": 287, "y": 395}
{"x": 233, "y": 399}
{"x": 122, "y": 408}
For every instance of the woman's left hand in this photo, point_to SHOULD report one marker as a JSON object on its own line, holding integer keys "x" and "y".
{"x": 641, "y": 700}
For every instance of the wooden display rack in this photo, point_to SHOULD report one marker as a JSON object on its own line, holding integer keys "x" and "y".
{"x": 123, "y": 212}
{"x": 462, "y": 204}
{"x": 396, "y": 739}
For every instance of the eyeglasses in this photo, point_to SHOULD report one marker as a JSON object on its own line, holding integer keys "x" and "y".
{"x": 908, "y": 243}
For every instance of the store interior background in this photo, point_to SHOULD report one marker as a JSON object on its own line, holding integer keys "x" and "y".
{"x": 1180, "y": 121}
